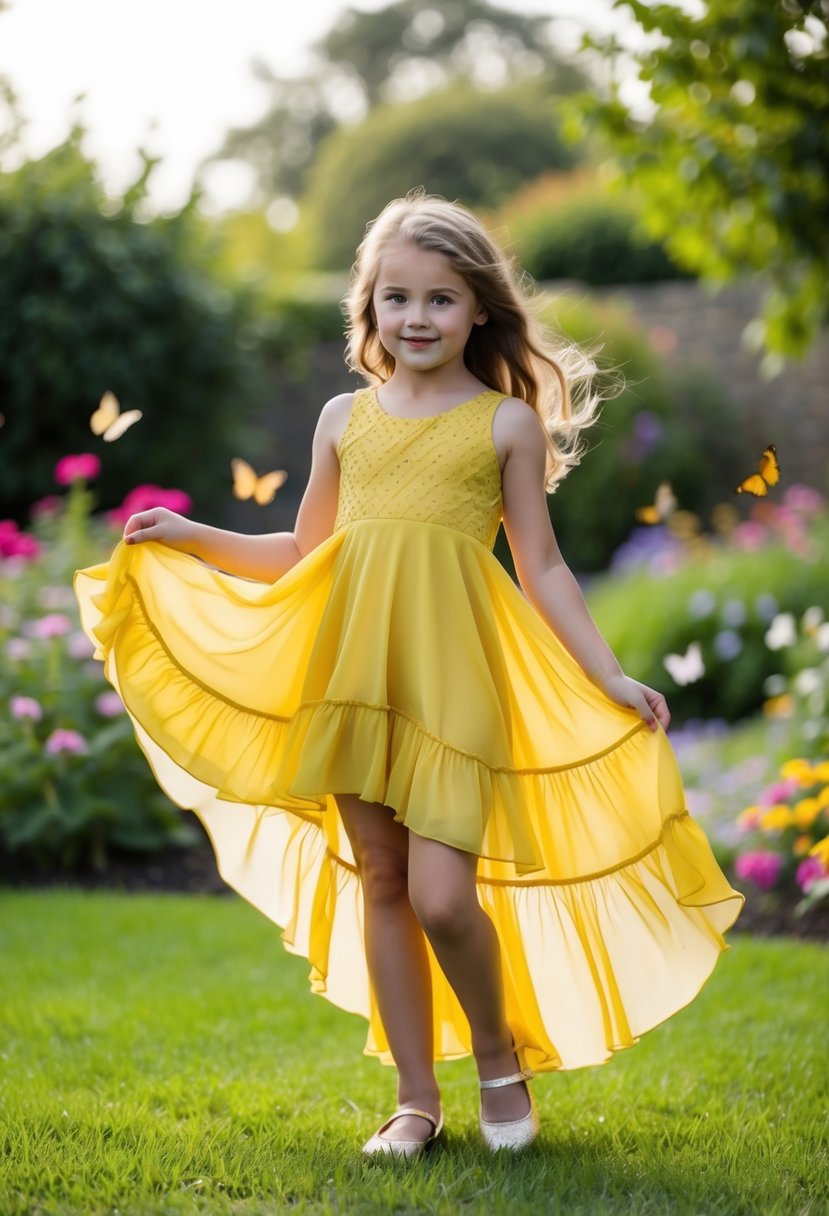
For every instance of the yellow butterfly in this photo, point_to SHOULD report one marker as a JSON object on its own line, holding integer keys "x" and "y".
{"x": 664, "y": 504}
{"x": 262, "y": 489}
{"x": 108, "y": 420}
{"x": 768, "y": 474}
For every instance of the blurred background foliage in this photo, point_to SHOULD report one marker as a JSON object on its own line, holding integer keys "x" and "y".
{"x": 730, "y": 168}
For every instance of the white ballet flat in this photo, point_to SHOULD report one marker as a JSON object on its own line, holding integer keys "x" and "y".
{"x": 514, "y": 1134}
{"x": 403, "y": 1148}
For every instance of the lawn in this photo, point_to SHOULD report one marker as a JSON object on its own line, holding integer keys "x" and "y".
{"x": 161, "y": 1054}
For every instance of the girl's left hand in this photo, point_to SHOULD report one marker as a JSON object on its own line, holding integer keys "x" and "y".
{"x": 647, "y": 702}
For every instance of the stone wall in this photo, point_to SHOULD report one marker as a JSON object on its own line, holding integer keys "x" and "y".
{"x": 689, "y": 326}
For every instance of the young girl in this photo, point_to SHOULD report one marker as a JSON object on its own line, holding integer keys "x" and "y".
{"x": 447, "y": 793}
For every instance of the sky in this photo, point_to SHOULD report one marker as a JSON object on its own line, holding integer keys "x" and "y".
{"x": 173, "y": 75}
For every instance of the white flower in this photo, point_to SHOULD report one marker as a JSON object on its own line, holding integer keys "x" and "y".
{"x": 807, "y": 681}
{"x": 685, "y": 668}
{"x": 781, "y": 632}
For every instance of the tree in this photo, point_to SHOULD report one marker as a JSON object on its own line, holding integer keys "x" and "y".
{"x": 731, "y": 168}
{"x": 396, "y": 53}
{"x": 477, "y": 147}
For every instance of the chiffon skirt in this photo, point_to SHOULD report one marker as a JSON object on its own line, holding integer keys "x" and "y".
{"x": 399, "y": 662}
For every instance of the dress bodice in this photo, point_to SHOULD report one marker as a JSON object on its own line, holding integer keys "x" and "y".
{"x": 442, "y": 469}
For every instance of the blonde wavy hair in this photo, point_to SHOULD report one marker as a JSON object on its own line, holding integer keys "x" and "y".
{"x": 511, "y": 353}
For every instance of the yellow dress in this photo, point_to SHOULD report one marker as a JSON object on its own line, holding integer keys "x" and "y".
{"x": 398, "y": 661}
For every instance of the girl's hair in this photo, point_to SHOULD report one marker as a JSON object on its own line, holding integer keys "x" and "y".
{"x": 511, "y": 352}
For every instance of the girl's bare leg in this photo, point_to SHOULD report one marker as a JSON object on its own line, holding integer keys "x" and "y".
{"x": 396, "y": 955}
{"x": 443, "y": 895}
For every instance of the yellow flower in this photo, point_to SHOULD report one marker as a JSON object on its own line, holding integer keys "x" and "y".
{"x": 821, "y": 850}
{"x": 823, "y": 797}
{"x": 821, "y": 771}
{"x": 805, "y": 812}
{"x": 779, "y": 707}
{"x": 776, "y": 818}
{"x": 802, "y": 845}
{"x": 799, "y": 770}
{"x": 750, "y": 817}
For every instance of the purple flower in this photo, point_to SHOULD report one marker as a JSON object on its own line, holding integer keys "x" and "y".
{"x": 810, "y": 871}
{"x": 66, "y": 741}
{"x": 52, "y": 626}
{"x": 46, "y": 507}
{"x": 26, "y": 707}
{"x": 79, "y": 646}
{"x": 749, "y": 535}
{"x": 761, "y": 868}
{"x": 727, "y": 644}
{"x": 18, "y": 649}
{"x": 109, "y": 704}
{"x": 84, "y": 467}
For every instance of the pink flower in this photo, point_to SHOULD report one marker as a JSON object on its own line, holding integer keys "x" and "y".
{"x": 52, "y": 504}
{"x": 54, "y": 625}
{"x": 810, "y": 870}
{"x": 26, "y": 707}
{"x": 14, "y": 543}
{"x": 109, "y": 704}
{"x": 749, "y": 535}
{"x": 146, "y": 496}
{"x": 803, "y": 499}
{"x": 66, "y": 741}
{"x": 762, "y": 868}
{"x": 84, "y": 467}
{"x": 780, "y": 792}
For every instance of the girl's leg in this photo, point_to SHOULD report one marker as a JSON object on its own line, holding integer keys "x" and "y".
{"x": 396, "y": 955}
{"x": 443, "y": 894}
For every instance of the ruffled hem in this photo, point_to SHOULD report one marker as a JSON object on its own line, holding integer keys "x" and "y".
{"x": 607, "y": 900}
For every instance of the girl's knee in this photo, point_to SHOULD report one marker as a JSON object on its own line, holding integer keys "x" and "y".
{"x": 443, "y": 914}
{"x": 382, "y": 875}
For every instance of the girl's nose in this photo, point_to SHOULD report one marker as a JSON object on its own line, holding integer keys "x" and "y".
{"x": 416, "y": 313}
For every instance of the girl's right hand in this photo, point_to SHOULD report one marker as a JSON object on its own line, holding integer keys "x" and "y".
{"x": 162, "y": 525}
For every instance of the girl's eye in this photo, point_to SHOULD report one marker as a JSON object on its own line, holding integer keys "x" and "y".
{"x": 396, "y": 297}
{"x": 442, "y": 300}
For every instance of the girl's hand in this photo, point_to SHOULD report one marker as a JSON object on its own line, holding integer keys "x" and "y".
{"x": 647, "y": 702}
{"x": 162, "y": 525}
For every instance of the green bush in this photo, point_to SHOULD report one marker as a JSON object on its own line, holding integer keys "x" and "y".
{"x": 95, "y": 298}
{"x": 595, "y": 240}
{"x": 729, "y": 599}
{"x": 459, "y": 142}
{"x": 74, "y": 786}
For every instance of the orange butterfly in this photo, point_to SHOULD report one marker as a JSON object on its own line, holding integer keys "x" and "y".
{"x": 664, "y": 504}
{"x": 768, "y": 474}
{"x": 262, "y": 489}
{"x": 108, "y": 420}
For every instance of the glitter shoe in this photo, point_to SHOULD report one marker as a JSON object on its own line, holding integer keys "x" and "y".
{"x": 514, "y": 1134}
{"x": 409, "y": 1149}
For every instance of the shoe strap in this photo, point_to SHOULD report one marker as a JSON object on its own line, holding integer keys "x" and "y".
{"x": 526, "y": 1074}
{"x": 408, "y": 1110}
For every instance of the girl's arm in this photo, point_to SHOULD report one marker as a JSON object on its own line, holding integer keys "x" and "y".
{"x": 265, "y": 557}
{"x": 545, "y": 578}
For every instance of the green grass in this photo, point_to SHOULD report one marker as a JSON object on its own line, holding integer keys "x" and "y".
{"x": 163, "y": 1055}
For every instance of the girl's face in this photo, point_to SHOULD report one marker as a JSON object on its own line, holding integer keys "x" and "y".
{"x": 423, "y": 309}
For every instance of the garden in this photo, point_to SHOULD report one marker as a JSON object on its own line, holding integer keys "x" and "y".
{"x": 160, "y": 1053}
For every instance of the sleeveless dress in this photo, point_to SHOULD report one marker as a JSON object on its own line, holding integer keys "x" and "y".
{"x": 398, "y": 661}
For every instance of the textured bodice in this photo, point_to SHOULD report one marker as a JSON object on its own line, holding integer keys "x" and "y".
{"x": 442, "y": 470}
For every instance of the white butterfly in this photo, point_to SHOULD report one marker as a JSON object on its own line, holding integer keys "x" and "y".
{"x": 685, "y": 668}
{"x": 109, "y": 422}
